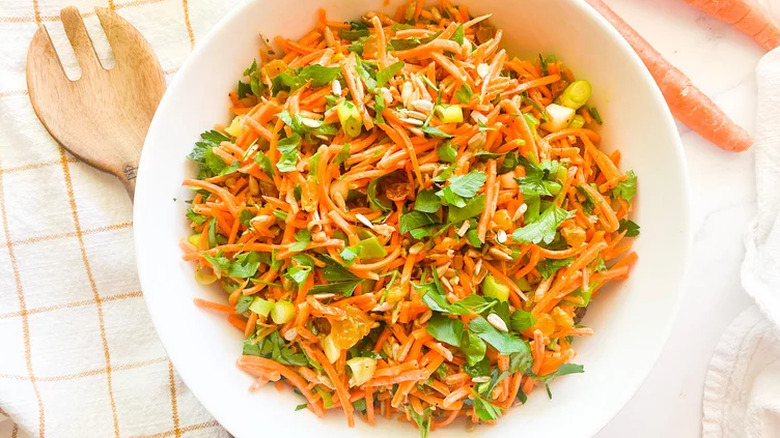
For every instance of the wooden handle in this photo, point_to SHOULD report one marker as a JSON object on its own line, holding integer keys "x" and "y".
{"x": 128, "y": 177}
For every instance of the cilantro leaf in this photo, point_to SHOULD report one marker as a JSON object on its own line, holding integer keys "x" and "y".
{"x": 298, "y": 273}
{"x": 543, "y": 229}
{"x": 427, "y": 202}
{"x": 630, "y": 227}
{"x": 243, "y": 89}
{"x": 504, "y": 342}
{"x": 444, "y": 329}
{"x": 356, "y": 30}
{"x": 548, "y": 267}
{"x": 626, "y": 189}
{"x": 462, "y": 187}
{"x": 383, "y": 76}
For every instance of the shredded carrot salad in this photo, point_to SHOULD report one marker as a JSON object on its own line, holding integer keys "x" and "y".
{"x": 408, "y": 220}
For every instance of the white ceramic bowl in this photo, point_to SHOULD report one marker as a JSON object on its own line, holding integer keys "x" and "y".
{"x": 631, "y": 319}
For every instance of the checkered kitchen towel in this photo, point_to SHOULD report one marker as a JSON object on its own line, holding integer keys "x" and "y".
{"x": 78, "y": 354}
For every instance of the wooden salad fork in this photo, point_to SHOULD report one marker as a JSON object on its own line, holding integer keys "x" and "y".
{"x": 102, "y": 117}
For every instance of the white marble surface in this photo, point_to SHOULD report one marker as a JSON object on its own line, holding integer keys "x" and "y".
{"x": 720, "y": 61}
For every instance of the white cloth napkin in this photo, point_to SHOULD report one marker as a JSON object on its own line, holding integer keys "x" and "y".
{"x": 742, "y": 386}
{"x": 78, "y": 354}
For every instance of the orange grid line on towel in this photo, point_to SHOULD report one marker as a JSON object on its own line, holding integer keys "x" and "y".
{"x": 92, "y": 284}
{"x": 70, "y": 305}
{"x": 38, "y": 18}
{"x": 87, "y": 373}
{"x": 184, "y": 429}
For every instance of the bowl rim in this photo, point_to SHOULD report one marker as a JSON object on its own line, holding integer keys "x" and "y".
{"x": 588, "y": 13}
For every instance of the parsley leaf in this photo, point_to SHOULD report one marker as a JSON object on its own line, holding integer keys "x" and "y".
{"x": 383, "y": 76}
{"x": 209, "y": 164}
{"x": 473, "y": 347}
{"x": 245, "y": 265}
{"x": 427, "y": 202}
{"x": 294, "y": 79}
{"x": 195, "y": 217}
{"x": 423, "y": 420}
{"x": 434, "y": 131}
{"x": 485, "y": 410}
{"x": 356, "y": 30}
{"x": 504, "y": 342}
{"x": 458, "y": 35}
{"x": 630, "y": 227}
{"x": 243, "y": 303}
{"x": 382, "y": 204}
{"x": 464, "y": 94}
{"x": 626, "y": 189}
{"x": 288, "y": 147}
{"x": 218, "y": 262}
{"x": 265, "y": 163}
{"x": 567, "y": 368}
{"x": 472, "y": 208}
{"x": 445, "y": 329}
{"x": 548, "y": 267}
{"x": 416, "y": 219}
{"x": 543, "y": 229}
{"x": 341, "y": 280}
{"x": 521, "y": 320}
{"x": 462, "y": 187}
{"x": 447, "y": 153}
{"x": 302, "y": 237}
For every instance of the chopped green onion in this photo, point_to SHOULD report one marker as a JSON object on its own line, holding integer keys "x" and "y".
{"x": 576, "y": 94}
{"x": 204, "y": 278}
{"x": 494, "y": 289}
{"x": 449, "y": 113}
{"x": 195, "y": 240}
{"x": 577, "y": 121}
{"x": 261, "y": 306}
{"x": 283, "y": 312}
{"x": 350, "y": 119}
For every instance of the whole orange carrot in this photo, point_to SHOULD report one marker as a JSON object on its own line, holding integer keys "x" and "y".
{"x": 687, "y": 103}
{"x": 748, "y": 16}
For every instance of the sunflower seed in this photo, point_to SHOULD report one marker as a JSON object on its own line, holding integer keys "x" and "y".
{"x": 415, "y": 114}
{"x": 406, "y": 93}
{"x": 497, "y": 322}
{"x": 501, "y": 236}
{"x": 501, "y": 255}
{"x": 422, "y": 105}
{"x": 477, "y": 142}
{"x": 520, "y": 211}
{"x": 364, "y": 220}
{"x": 412, "y": 121}
{"x": 464, "y": 228}
{"x": 479, "y": 117}
{"x": 336, "y": 88}
{"x": 482, "y": 70}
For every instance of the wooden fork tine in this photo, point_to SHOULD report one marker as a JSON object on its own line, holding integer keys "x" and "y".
{"x": 42, "y": 58}
{"x": 79, "y": 39}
